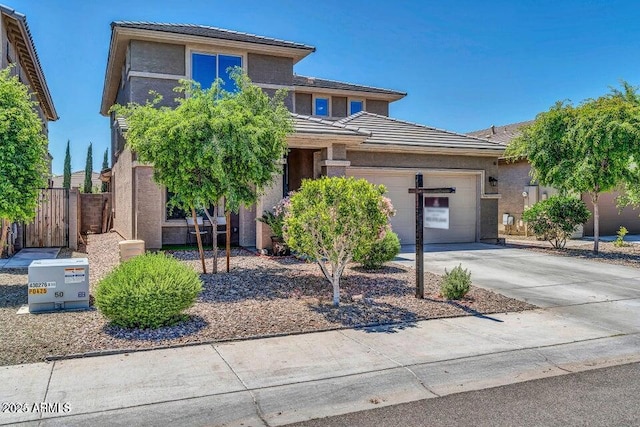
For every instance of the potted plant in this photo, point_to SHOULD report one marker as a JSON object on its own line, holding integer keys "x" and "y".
{"x": 275, "y": 221}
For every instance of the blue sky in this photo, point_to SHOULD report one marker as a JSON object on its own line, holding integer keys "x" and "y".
{"x": 465, "y": 64}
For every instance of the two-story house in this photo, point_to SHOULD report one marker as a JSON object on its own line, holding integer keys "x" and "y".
{"x": 18, "y": 50}
{"x": 340, "y": 129}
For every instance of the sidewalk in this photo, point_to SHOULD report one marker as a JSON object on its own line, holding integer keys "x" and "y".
{"x": 281, "y": 380}
{"x": 591, "y": 320}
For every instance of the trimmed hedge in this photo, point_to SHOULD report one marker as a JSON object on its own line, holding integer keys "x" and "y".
{"x": 148, "y": 291}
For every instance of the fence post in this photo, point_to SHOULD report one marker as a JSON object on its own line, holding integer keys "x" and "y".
{"x": 74, "y": 218}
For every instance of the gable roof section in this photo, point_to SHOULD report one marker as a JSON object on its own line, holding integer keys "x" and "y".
{"x": 19, "y": 33}
{"x": 392, "y": 133}
{"x": 210, "y": 32}
{"x": 314, "y": 82}
{"x": 500, "y": 134}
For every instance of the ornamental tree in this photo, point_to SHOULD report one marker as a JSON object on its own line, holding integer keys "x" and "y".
{"x": 556, "y": 218}
{"x": 329, "y": 218}
{"x": 214, "y": 145}
{"x": 590, "y": 148}
{"x": 88, "y": 171}
{"x": 66, "y": 178}
{"x": 23, "y": 153}
{"x": 105, "y": 165}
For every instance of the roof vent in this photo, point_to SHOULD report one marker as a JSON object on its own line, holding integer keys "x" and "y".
{"x": 493, "y": 130}
{"x": 311, "y": 80}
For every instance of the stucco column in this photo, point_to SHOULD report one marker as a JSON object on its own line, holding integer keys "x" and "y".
{"x": 333, "y": 160}
{"x": 267, "y": 201}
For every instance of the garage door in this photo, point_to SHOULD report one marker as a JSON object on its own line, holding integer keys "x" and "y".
{"x": 462, "y": 204}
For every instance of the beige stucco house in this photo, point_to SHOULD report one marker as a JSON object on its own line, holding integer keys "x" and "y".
{"x": 518, "y": 191}
{"x": 341, "y": 129}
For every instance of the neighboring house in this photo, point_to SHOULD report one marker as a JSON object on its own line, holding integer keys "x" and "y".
{"x": 77, "y": 180}
{"x": 515, "y": 182}
{"x": 340, "y": 129}
{"x": 17, "y": 49}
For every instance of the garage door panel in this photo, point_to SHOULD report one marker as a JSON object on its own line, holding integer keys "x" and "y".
{"x": 462, "y": 204}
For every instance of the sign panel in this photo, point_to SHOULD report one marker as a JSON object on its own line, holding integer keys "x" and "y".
{"x": 436, "y": 212}
{"x": 74, "y": 275}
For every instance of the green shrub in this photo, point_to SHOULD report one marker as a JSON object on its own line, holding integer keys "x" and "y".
{"x": 556, "y": 218}
{"x": 380, "y": 252}
{"x": 329, "y": 218}
{"x": 619, "y": 242}
{"x": 455, "y": 284}
{"x": 148, "y": 291}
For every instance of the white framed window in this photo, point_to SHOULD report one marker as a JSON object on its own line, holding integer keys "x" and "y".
{"x": 322, "y": 106}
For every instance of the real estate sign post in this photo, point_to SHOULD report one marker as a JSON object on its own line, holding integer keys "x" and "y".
{"x": 437, "y": 214}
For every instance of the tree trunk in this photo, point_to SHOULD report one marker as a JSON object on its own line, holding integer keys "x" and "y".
{"x": 4, "y": 224}
{"x": 596, "y": 224}
{"x": 198, "y": 238}
{"x": 228, "y": 238}
{"x": 214, "y": 236}
{"x": 335, "y": 282}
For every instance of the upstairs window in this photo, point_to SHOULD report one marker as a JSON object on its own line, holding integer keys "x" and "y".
{"x": 321, "y": 107}
{"x": 205, "y": 68}
{"x": 355, "y": 106}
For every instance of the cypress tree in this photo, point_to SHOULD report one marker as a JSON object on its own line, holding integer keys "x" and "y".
{"x": 88, "y": 170}
{"x": 105, "y": 165}
{"x": 66, "y": 180}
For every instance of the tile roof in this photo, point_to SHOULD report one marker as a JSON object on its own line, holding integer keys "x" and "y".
{"x": 387, "y": 131}
{"x": 500, "y": 134}
{"x": 332, "y": 84}
{"x": 301, "y": 124}
{"x": 315, "y": 125}
{"x": 383, "y": 131}
{"x": 211, "y": 32}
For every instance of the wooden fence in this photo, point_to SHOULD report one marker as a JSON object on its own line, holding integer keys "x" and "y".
{"x": 50, "y": 228}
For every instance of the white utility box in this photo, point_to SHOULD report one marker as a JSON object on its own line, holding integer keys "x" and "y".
{"x": 130, "y": 249}
{"x": 58, "y": 284}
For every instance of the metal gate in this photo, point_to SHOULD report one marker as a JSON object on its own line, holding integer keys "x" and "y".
{"x": 50, "y": 227}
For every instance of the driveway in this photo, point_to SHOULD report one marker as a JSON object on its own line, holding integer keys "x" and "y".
{"x": 605, "y": 294}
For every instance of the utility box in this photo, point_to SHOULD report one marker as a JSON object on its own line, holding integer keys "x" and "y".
{"x": 130, "y": 248}
{"x": 58, "y": 284}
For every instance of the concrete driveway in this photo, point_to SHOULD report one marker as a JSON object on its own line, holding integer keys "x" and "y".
{"x": 604, "y": 294}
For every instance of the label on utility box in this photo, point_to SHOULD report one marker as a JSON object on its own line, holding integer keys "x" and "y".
{"x": 38, "y": 288}
{"x": 34, "y": 285}
{"x": 74, "y": 275}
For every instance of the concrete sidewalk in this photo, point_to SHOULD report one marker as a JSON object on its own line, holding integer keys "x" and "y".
{"x": 276, "y": 381}
{"x": 24, "y": 257}
{"x": 281, "y": 380}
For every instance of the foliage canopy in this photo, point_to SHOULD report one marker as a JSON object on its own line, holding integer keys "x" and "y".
{"x": 591, "y": 148}
{"x": 329, "y": 218}
{"x": 556, "y": 218}
{"x": 23, "y": 153}
{"x": 214, "y": 145}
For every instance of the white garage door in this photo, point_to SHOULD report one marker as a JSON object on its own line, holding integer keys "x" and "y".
{"x": 462, "y": 203}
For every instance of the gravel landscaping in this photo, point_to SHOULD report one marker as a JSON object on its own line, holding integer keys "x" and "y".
{"x": 261, "y": 296}
{"x": 628, "y": 255}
